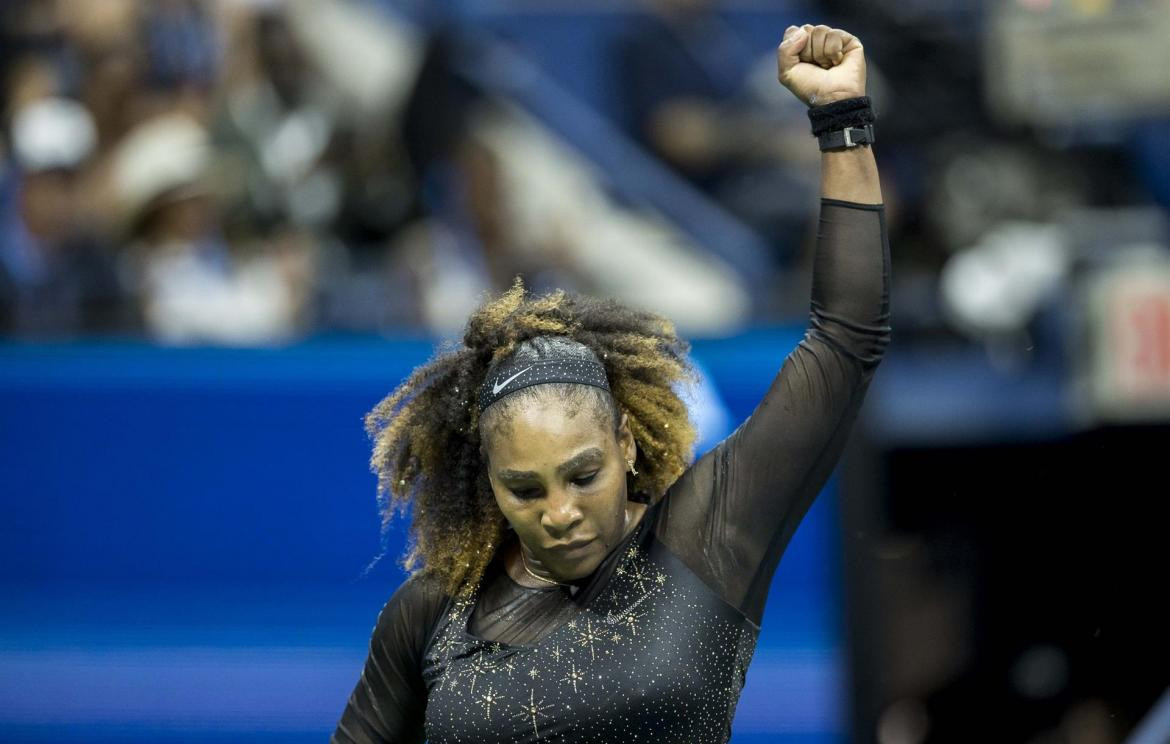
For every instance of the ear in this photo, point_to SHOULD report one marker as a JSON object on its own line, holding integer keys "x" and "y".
{"x": 626, "y": 443}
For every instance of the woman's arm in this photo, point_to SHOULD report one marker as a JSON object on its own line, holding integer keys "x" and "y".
{"x": 389, "y": 700}
{"x": 732, "y": 514}
{"x": 850, "y": 175}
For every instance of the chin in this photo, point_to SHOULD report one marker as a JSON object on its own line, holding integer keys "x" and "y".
{"x": 579, "y": 568}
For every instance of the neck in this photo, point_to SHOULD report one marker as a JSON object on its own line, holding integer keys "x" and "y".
{"x": 514, "y": 564}
{"x": 540, "y": 575}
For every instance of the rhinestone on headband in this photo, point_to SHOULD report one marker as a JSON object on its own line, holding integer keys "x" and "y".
{"x": 517, "y": 375}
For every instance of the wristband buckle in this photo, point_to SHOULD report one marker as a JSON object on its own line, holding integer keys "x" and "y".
{"x": 846, "y": 138}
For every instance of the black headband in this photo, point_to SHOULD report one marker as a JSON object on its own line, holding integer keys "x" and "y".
{"x": 516, "y": 374}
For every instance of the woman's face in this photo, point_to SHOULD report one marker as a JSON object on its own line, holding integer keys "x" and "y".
{"x": 560, "y": 480}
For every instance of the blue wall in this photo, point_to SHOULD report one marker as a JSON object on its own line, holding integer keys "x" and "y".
{"x": 183, "y": 534}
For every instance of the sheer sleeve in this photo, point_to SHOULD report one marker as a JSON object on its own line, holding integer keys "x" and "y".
{"x": 388, "y": 703}
{"x": 730, "y": 516}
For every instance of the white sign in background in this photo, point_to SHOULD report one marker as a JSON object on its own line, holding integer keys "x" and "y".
{"x": 1129, "y": 342}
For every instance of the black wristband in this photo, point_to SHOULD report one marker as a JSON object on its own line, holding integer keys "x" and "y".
{"x": 844, "y": 139}
{"x": 850, "y": 112}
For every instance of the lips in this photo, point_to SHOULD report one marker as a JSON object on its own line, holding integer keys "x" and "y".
{"x": 571, "y": 546}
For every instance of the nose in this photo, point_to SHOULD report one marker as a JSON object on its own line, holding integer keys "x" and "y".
{"x": 561, "y": 513}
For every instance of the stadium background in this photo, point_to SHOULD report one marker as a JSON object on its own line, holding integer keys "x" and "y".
{"x": 188, "y": 529}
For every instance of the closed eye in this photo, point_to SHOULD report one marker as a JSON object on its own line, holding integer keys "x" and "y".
{"x": 584, "y": 480}
{"x": 527, "y": 494}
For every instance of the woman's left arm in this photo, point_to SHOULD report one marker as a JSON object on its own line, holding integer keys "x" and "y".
{"x": 732, "y": 514}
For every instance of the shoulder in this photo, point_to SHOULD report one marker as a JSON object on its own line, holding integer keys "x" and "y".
{"x": 407, "y": 618}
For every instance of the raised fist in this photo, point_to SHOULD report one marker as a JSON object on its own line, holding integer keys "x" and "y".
{"x": 820, "y": 64}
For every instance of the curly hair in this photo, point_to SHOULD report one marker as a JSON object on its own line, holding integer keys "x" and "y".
{"x": 428, "y": 454}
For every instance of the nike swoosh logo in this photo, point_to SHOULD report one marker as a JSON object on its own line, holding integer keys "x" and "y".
{"x": 498, "y": 386}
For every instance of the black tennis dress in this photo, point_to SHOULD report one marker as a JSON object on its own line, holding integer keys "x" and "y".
{"x": 654, "y": 645}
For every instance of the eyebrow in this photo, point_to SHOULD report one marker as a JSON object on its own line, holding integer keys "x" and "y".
{"x": 577, "y": 460}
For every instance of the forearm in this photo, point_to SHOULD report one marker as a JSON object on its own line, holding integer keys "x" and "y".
{"x": 851, "y": 175}
{"x": 851, "y": 279}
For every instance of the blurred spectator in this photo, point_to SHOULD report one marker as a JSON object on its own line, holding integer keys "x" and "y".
{"x": 57, "y": 276}
{"x": 104, "y": 61}
{"x": 181, "y": 45}
{"x": 281, "y": 120}
{"x": 314, "y": 147}
{"x": 236, "y": 152}
{"x": 193, "y": 285}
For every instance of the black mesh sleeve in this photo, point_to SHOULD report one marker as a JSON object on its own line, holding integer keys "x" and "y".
{"x": 388, "y": 703}
{"x": 730, "y": 516}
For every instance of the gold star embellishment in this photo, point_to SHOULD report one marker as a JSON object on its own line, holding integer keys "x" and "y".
{"x": 487, "y": 699}
{"x": 640, "y": 577}
{"x": 632, "y": 621}
{"x": 450, "y": 681}
{"x": 533, "y": 710}
{"x": 478, "y": 667}
{"x": 574, "y": 677}
{"x": 447, "y": 644}
{"x": 588, "y": 637}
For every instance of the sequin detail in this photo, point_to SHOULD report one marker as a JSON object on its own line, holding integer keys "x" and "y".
{"x": 511, "y": 378}
{"x": 656, "y": 657}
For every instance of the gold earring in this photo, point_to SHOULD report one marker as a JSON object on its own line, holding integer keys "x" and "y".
{"x": 631, "y": 464}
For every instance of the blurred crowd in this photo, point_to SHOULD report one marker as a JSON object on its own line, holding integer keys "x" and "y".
{"x": 180, "y": 169}
{"x": 253, "y": 171}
